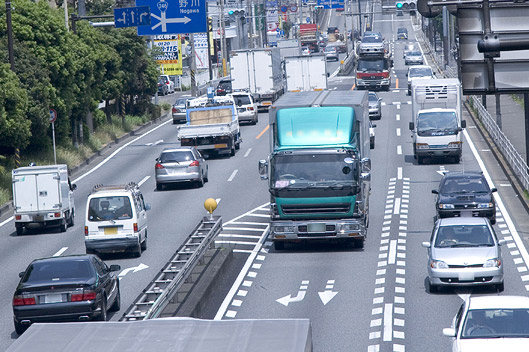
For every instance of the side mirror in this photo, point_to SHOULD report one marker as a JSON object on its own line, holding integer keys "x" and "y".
{"x": 502, "y": 242}
{"x": 426, "y": 244}
{"x": 366, "y": 176}
{"x": 328, "y": 74}
{"x": 463, "y": 124}
{"x": 263, "y": 169}
{"x": 494, "y": 190}
{"x": 411, "y": 126}
{"x": 74, "y": 187}
{"x": 115, "y": 267}
{"x": 147, "y": 206}
{"x": 21, "y": 274}
{"x": 373, "y": 125}
{"x": 434, "y": 191}
{"x": 449, "y": 332}
{"x": 366, "y": 164}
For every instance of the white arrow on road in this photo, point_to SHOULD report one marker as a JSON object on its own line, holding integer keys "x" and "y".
{"x": 289, "y": 299}
{"x": 133, "y": 269}
{"x": 326, "y": 296}
{"x": 442, "y": 170}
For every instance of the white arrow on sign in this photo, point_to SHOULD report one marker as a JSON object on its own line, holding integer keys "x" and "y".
{"x": 289, "y": 299}
{"x": 442, "y": 170}
{"x": 326, "y": 296}
{"x": 133, "y": 269}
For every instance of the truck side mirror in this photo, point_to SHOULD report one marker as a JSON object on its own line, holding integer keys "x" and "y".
{"x": 74, "y": 187}
{"x": 412, "y": 126}
{"x": 328, "y": 74}
{"x": 463, "y": 124}
{"x": 263, "y": 169}
{"x": 434, "y": 191}
{"x": 147, "y": 206}
{"x": 366, "y": 164}
{"x": 366, "y": 176}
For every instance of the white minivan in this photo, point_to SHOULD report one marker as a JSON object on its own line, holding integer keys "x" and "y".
{"x": 246, "y": 107}
{"x": 116, "y": 220}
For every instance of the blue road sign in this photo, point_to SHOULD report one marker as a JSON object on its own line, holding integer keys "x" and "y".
{"x": 175, "y": 17}
{"x": 307, "y": 19}
{"x": 132, "y": 16}
{"x": 332, "y": 4}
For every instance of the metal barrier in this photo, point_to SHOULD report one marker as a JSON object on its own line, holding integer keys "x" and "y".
{"x": 160, "y": 291}
{"x": 517, "y": 164}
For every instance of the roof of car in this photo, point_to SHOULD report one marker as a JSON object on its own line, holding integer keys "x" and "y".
{"x": 498, "y": 302}
{"x": 463, "y": 220}
{"x": 459, "y": 174}
{"x": 417, "y": 67}
{"x": 401, "y": 29}
{"x": 178, "y": 149}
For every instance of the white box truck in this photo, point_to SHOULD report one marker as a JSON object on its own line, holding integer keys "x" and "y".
{"x": 436, "y": 119}
{"x": 43, "y": 195}
{"x": 306, "y": 73}
{"x": 259, "y": 72}
{"x": 289, "y": 47}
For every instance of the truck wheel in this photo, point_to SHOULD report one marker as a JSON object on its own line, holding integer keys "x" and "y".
{"x": 358, "y": 244}
{"x": 457, "y": 159}
{"x": 137, "y": 251}
{"x": 420, "y": 160}
{"x": 278, "y": 246}
{"x": 159, "y": 186}
{"x": 20, "y": 229}
{"x": 144, "y": 243}
{"x": 232, "y": 152}
{"x": 63, "y": 226}
{"x": 71, "y": 221}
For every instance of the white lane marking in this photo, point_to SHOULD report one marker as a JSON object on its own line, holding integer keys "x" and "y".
{"x": 397, "y": 117}
{"x": 399, "y": 173}
{"x": 158, "y": 142}
{"x": 143, "y": 180}
{"x": 388, "y": 322}
{"x": 398, "y": 106}
{"x": 398, "y": 132}
{"x": 233, "y": 175}
{"x": 499, "y": 201}
{"x": 61, "y": 251}
{"x": 392, "y": 252}
{"x": 7, "y": 220}
{"x": 396, "y": 209}
{"x": 399, "y": 149}
{"x": 247, "y": 152}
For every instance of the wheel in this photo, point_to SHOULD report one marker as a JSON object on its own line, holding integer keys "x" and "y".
{"x": 432, "y": 288}
{"x": 358, "y": 243}
{"x": 420, "y": 160}
{"x": 63, "y": 225}
{"x": 20, "y": 328}
{"x": 457, "y": 159}
{"x": 256, "y": 120}
{"x": 206, "y": 179}
{"x": 144, "y": 243}
{"x": 137, "y": 251}
{"x": 278, "y": 246}
{"x": 103, "y": 315}
{"x": 232, "y": 152}
{"x": 500, "y": 287}
{"x": 372, "y": 145}
{"x": 117, "y": 303}
{"x": 200, "y": 182}
{"x": 71, "y": 219}
{"x": 159, "y": 186}
{"x": 20, "y": 229}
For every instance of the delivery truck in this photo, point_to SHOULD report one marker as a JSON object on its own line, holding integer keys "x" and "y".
{"x": 306, "y": 73}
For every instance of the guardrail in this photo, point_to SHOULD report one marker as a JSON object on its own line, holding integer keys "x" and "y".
{"x": 517, "y": 164}
{"x": 160, "y": 291}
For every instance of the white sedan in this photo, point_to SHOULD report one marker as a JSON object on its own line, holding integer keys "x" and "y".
{"x": 491, "y": 323}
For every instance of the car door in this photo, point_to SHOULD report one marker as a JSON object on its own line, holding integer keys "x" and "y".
{"x": 108, "y": 280}
{"x": 202, "y": 162}
{"x": 142, "y": 215}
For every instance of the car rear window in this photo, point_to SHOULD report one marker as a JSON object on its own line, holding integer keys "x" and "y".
{"x": 109, "y": 208}
{"x": 242, "y": 100}
{"x": 56, "y": 271}
{"x": 373, "y": 97}
{"x": 177, "y": 156}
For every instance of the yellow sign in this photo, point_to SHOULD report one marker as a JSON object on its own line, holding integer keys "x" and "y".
{"x": 170, "y": 62}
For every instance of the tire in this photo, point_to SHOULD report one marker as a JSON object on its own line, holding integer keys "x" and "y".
{"x": 200, "y": 182}
{"x": 500, "y": 287}
{"x": 137, "y": 251}
{"x": 144, "y": 243}
{"x": 420, "y": 160}
{"x": 159, "y": 186}
{"x": 63, "y": 226}
{"x": 256, "y": 120}
{"x": 232, "y": 152}
{"x": 372, "y": 145}
{"x": 432, "y": 288}
{"x": 279, "y": 246}
{"x": 457, "y": 159}
{"x": 206, "y": 179}
{"x": 20, "y": 328}
{"x": 20, "y": 230}
{"x": 117, "y": 303}
{"x": 103, "y": 315}
{"x": 71, "y": 221}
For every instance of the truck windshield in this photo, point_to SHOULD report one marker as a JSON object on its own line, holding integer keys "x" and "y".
{"x": 372, "y": 65}
{"x": 109, "y": 208}
{"x": 313, "y": 170}
{"x": 437, "y": 123}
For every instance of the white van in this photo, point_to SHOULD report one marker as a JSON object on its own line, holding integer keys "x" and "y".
{"x": 116, "y": 220}
{"x": 246, "y": 107}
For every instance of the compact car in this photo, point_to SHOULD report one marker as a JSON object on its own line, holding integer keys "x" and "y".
{"x": 375, "y": 106}
{"x": 179, "y": 109}
{"x": 183, "y": 164}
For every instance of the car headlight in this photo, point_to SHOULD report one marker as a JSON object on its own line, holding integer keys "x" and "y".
{"x": 492, "y": 263}
{"x": 350, "y": 227}
{"x": 422, "y": 146}
{"x": 485, "y": 205}
{"x": 438, "y": 264}
{"x": 454, "y": 145}
{"x": 446, "y": 206}
{"x": 283, "y": 229}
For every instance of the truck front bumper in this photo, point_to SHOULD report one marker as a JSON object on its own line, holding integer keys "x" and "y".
{"x": 294, "y": 231}
{"x": 438, "y": 152}
{"x": 375, "y": 84}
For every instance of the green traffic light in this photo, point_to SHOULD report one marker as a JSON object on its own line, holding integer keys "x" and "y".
{"x": 230, "y": 12}
{"x": 399, "y": 5}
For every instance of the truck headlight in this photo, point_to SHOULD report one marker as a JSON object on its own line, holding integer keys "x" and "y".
{"x": 422, "y": 146}
{"x": 446, "y": 206}
{"x": 492, "y": 263}
{"x": 438, "y": 264}
{"x": 350, "y": 227}
{"x": 454, "y": 145}
{"x": 278, "y": 229}
{"x": 485, "y": 205}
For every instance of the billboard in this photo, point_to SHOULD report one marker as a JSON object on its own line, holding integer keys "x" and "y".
{"x": 170, "y": 61}
{"x": 201, "y": 50}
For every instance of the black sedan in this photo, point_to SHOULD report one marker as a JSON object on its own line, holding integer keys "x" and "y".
{"x": 465, "y": 194}
{"x": 69, "y": 288}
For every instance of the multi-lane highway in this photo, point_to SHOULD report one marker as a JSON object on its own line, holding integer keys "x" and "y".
{"x": 371, "y": 299}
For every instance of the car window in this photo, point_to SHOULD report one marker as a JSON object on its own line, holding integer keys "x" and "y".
{"x": 181, "y": 102}
{"x": 464, "y": 236}
{"x": 484, "y": 323}
{"x": 420, "y": 72}
{"x": 242, "y": 99}
{"x": 101, "y": 267}
{"x": 109, "y": 208}
{"x": 176, "y": 156}
{"x": 45, "y": 271}
{"x": 373, "y": 97}
{"x": 415, "y": 53}
{"x": 372, "y": 39}
{"x": 464, "y": 185}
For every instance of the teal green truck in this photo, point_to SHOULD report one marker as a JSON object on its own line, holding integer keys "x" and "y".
{"x": 318, "y": 170}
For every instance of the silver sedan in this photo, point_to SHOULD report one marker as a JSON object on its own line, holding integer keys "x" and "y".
{"x": 464, "y": 251}
{"x": 184, "y": 164}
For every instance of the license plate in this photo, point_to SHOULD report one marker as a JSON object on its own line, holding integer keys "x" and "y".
{"x": 317, "y": 227}
{"x": 466, "y": 276}
{"x": 111, "y": 230}
{"x": 223, "y": 145}
{"x": 53, "y": 298}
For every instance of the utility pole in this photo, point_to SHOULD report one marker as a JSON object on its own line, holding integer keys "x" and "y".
{"x": 223, "y": 39}
{"x": 193, "y": 65}
{"x": 250, "y": 12}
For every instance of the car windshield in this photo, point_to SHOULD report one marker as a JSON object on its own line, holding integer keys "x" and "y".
{"x": 242, "y": 100}
{"x": 464, "y": 185}
{"x": 496, "y": 323}
{"x": 176, "y": 156}
{"x": 415, "y": 53}
{"x": 372, "y": 39}
{"x": 373, "y": 97}
{"x": 463, "y": 236}
{"x": 437, "y": 123}
{"x": 109, "y": 208}
{"x": 55, "y": 271}
{"x": 372, "y": 65}
{"x": 402, "y": 30}
{"x": 420, "y": 72}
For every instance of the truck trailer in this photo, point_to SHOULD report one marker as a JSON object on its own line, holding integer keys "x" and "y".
{"x": 318, "y": 170}
{"x": 306, "y": 73}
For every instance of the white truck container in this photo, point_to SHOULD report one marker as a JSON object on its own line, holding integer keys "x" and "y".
{"x": 436, "y": 119}
{"x": 211, "y": 125}
{"x": 43, "y": 195}
{"x": 306, "y": 73}
{"x": 259, "y": 72}
{"x": 288, "y": 47}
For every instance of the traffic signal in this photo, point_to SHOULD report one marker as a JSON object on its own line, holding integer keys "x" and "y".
{"x": 406, "y": 5}
{"x": 428, "y": 11}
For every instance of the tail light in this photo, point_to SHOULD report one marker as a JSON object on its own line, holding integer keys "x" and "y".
{"x": 86, "y": 295}
{"x": 175, "y": 110}
{"x": 23, "y": 300}
{"x": 158, "y": 166}
{"x": 194, "y": 163}
{"x": 250, "y": 108}
{"x": 57, "y": 215}
{"x": 86, "y": 230}
{"x": 135, "y": 226}
{"x": 18, "y": 217}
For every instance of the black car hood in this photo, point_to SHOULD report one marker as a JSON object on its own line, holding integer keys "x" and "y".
{"x": 464, "y": 198}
